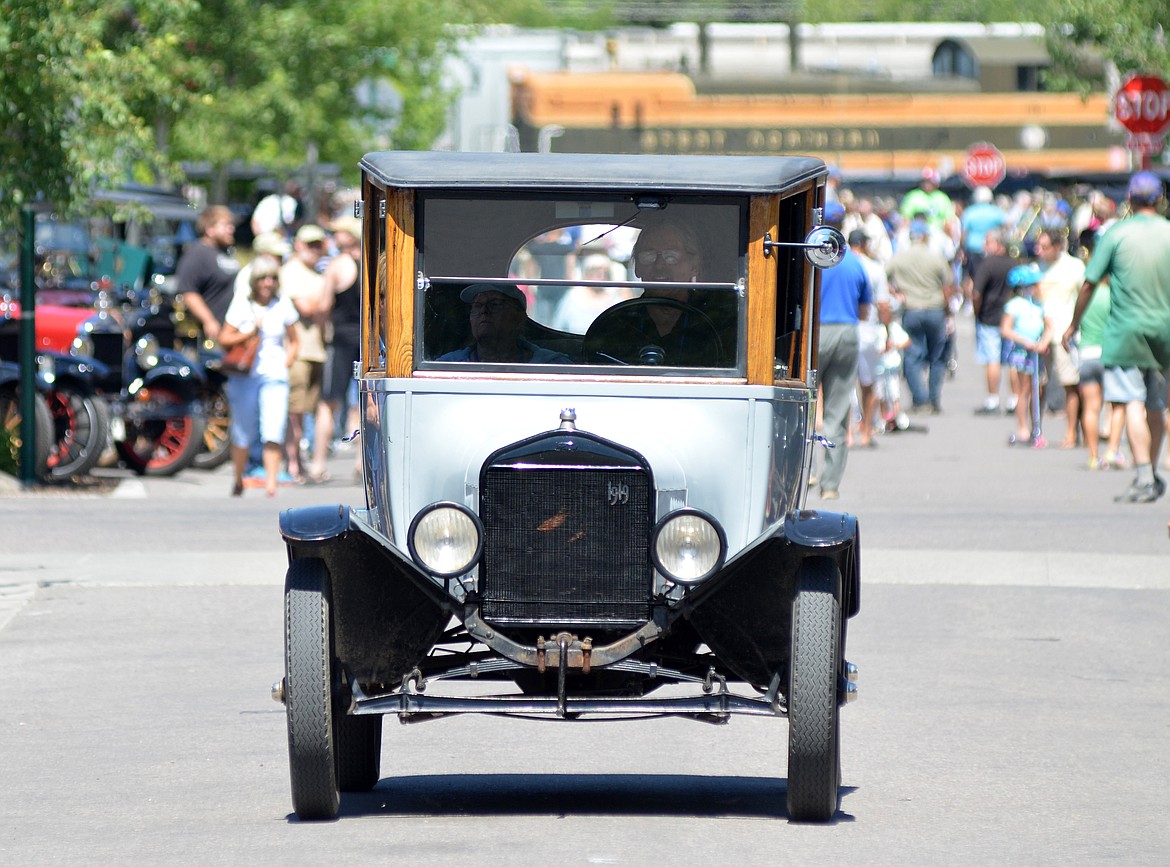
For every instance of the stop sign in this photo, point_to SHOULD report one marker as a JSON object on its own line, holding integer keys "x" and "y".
{"x": 1142, "y": 105}
{"x": 984, "y": 166}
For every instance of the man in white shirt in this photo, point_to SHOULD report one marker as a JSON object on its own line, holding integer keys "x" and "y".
{"x": 1062, "y": 277}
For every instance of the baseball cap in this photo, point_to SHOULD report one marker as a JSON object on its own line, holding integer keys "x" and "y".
{"x": 311, "y": 234}
{"x": 1146, "y": 186}
{"x": 505, "y": 289}
{"x": 834, "y": 213}
{"x": 981, "y": 195}
{"x": 930, "y": 174}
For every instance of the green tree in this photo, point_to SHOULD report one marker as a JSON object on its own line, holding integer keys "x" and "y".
{"x": 1129, "y": 35}
{"x": 66, "y": 124}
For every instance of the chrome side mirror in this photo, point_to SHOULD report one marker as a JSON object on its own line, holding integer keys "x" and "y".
{"x": 824, "y": 246}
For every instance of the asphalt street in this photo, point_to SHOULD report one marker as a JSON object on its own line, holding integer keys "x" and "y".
{"x": 1014, "y": 701}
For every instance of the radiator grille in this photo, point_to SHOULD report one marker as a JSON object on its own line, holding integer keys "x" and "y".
{"x": 566, "y": 545}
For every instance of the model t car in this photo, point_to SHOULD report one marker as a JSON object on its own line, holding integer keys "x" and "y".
{"x": 588, "y": 391}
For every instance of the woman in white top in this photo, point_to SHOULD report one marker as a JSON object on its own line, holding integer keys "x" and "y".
{"x": 259, "y": 400}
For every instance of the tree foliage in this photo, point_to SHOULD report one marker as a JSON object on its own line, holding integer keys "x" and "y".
{"x": 1130, "y": 36}
{"x": 66, "y": 120}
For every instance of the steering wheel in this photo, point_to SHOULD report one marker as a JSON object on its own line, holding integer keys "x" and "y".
{"x": 616, "y": 335}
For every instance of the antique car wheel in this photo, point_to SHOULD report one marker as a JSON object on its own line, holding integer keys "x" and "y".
{"x": 164, "y": 446}
{"x": 10, "y": 422}
{"x": 814, "y": 759}
{"x": 308, "y": 657}
{"x": 617, "y": 327}
{"x": 217, "y": 441}
{"x": 358, "y": 742}
{"x": 81, "y": 431}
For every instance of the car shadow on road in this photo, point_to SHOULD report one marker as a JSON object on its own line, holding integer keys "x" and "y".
{"x": 576, "y": 795}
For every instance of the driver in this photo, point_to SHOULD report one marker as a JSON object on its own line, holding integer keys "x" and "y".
{"x": 677, "y": 331}
{"x": 498, "y": 316}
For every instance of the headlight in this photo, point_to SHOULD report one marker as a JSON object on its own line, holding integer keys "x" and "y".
{"x": 688, "y": 546}
{"x": 47, "y": 367}
{"x": 82, "y": 345}
{"x": 445, "y": 539}
{"x": 146, "y": 351}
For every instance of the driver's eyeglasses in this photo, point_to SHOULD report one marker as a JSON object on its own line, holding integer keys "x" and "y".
{"x": 492, "y": 307}
{"x": 670, "y": 257}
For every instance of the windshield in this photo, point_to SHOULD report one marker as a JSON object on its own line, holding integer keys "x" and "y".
{"x": 614, "y": 283}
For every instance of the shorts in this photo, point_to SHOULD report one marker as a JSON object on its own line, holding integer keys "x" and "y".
{"x": 1134, "y": 385}
{"x": 989, "y": 344}
{"x": 1021, "y": 359}
{"x": 1064, "y": 365}
{"x": 339, "y": 369}
{"x": 259, "y": 410}
{"x": 1091, "y": 371}
{"x": 304, "y": 382}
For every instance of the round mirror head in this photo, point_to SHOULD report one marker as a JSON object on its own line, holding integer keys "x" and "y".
{"x": 825, "y": 246}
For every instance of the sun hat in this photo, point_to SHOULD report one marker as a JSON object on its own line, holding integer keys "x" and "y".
{"x": 310, "y": 234}
{"x": 272, "y": 243}
{"x": 1024, "y": 275}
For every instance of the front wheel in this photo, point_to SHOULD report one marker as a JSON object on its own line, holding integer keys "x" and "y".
{"x": 814, "y": 741}
{"x": 81, "y": 431}
{"x": 308, "y": 658}
{"x": 217, "y": 443}
{"x": 164, "y": 432}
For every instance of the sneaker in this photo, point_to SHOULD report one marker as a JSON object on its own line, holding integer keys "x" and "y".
{"x": 1115, "y": 461}
{"x": 988, "y": 410}
{"x": 1136, "y": 493}
{"x": 830, "y": 495}
{"x": 1160, "y": 485}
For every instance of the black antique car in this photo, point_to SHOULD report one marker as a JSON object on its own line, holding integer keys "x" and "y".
{"x": 585, "y": 477}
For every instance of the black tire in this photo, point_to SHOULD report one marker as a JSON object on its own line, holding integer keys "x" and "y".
{"x": 814, "y": 746}
{"x": 81, "y": 431}
{"x": 358, "y": 741}
{"x": 217, "y": 441}
{"x": 164, "y": 446}
{"x": 308, "y": 658}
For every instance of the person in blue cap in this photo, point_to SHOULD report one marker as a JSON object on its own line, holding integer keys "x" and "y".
{"x": 1134, "y": 255}
{"x": 1028, "y": 331}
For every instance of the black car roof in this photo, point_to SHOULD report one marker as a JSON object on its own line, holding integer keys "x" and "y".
{"x": 682, "y": 173}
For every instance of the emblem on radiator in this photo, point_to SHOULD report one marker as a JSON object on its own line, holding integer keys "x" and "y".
{"x": 619, "y": 493}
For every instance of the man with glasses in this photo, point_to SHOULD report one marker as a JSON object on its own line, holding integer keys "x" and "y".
{"x": 498, "y": 316}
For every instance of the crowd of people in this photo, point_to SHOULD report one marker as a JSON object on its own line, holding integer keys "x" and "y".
{"x": 1071, "y": 305}
{"x": 298, "y": 296}
{"x": 1070, "y": 299}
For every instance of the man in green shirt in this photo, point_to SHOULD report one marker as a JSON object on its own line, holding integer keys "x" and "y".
{"x": 1134, "y": 256}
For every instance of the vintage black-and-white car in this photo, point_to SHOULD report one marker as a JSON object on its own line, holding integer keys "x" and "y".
{"x": 588, "y": 389}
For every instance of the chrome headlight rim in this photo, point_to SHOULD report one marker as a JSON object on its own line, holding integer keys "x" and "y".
{"x": 689, "y": 513}
{"x": 422, "y": 515}
{"x": 146, "y": 350}
{"x": 82, "y": 346}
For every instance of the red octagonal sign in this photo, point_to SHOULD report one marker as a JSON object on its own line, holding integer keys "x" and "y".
{"x": 984, "y": 166}
{"x": 1142, "y": 105}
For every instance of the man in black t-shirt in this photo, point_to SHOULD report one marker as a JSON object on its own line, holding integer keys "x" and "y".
{"x": 989, "y": 293}
{"x": 206, "y": 272}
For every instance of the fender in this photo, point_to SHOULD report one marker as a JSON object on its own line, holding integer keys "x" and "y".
{"x": 835, "y": 535}
{"x": 315, "y": 523}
